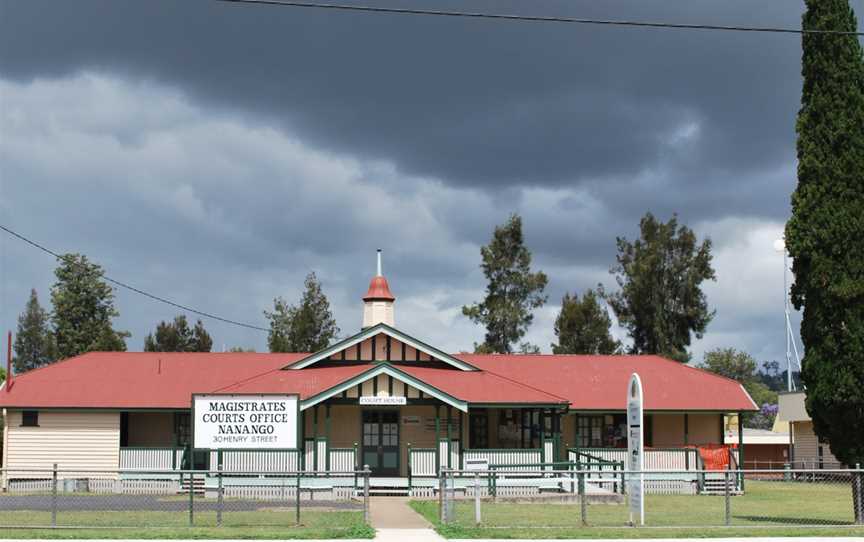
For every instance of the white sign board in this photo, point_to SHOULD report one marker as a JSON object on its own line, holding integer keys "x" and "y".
{"x": 478, "y": 464}
{"x": 245, "y": 421}
{"x": 374, "y": 400}
{"x": 635, "y": 449}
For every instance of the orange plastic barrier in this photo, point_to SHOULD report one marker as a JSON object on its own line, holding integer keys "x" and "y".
{"x": 714, "y": 456}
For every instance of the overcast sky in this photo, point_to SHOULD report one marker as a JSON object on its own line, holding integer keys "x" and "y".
{"x": 214, "y": 154}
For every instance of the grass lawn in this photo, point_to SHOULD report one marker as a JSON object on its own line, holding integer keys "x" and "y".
{"x": 263, "y": 524}
{"x": 767, "y": 509}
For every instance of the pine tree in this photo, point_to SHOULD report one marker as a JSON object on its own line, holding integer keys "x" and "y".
{"x": 660, "y": 301}
{"x": 34, "y": 342}
{"x": 512, "y": 291}
{"x": 83, "y": 309}
{"x": 582, "y": 327}
{"x": 176, "y": 336}
{"x": 825, "y": 235}
{"x": 307, "y": 327}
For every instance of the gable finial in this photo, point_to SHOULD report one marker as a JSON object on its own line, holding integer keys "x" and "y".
{"x": 379, "y": 274}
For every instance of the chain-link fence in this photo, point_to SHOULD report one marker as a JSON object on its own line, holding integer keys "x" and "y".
{"x": 202, "y": 498}
{"x": 569, "y": 498}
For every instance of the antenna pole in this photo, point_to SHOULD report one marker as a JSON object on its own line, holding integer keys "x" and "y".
{"x": 787, "y": 325}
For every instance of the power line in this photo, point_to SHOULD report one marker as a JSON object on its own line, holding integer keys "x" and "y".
{"x": 539, "y": 18}
{"x": 130, "y": 287}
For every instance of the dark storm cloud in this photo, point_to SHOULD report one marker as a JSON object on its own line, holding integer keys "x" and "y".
{"x": 220, "y": 171}
{"x": 484, "y": 104}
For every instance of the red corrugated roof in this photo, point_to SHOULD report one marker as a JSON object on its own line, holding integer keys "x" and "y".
{"x": 600, "y": 382}
{"x": 167, "y": 380}
{"x": 471, "y": 386}
{"x": 135, "y": 379}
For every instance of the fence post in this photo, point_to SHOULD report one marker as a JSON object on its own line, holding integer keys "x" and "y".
{"x": 409, "y": 468}
{"x": 54, "y": 496}
{"x": 441, "y": 497}
{"x": 191, "y": 497}
{"x": 477, "y": 517}
{"x": 727, "y": 498}
{"x": 858, "y": 494}
{"x": 366, "y": 474}
{"x": 220, "y": 501}
{"x": 583, "y": 501}
{"x": 356, "y": 465}
{"x": 297, "y": 501}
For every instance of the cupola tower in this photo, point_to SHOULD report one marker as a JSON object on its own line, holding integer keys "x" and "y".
{"x": 378, "y": 301}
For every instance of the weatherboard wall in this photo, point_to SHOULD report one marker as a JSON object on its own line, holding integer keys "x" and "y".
{"x": 73, "y": 440}
{"x": 807, "y": 446}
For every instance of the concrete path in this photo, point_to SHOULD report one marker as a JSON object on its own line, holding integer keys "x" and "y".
{"x": 395, "y": 521}
{"x": 394, "y": 513}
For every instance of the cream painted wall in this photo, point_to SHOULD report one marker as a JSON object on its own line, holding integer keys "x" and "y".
{"x": 669, "y": 430}
{"x": 706, "y": 429}
{"x": 73, "y": 439}
{"x": 806, "y": 445}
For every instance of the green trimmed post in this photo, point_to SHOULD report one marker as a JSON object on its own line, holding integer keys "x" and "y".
{"x": 409, "y": 466}
{"x": 576, "y": 444}
{"x": 356, "y": 464}
{"x": 327, "y": 437}
{"x": 315, "y": 439}
{"x": 741, "y": 450}
{"x": 437, "y": 438}
{"x": 449, "y": 436}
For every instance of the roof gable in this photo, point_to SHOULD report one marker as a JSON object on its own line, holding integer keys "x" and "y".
{"x": 389, "y": 370}
{"x": 382, "y": 330}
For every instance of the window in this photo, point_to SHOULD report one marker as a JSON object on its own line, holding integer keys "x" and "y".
{"x": 30, "y": 418}
{"x": 509, "y": 428}
{"x": 478, "y": 429}
{"x": 606, "y": 431}
{"x": 182, "y": 429}
{"x": 590, "y": 431}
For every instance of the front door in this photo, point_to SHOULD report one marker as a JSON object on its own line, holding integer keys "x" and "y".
{"x": 381, "y": 441}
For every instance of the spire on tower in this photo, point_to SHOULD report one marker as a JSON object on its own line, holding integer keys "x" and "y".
{"x": 378, "y": 301}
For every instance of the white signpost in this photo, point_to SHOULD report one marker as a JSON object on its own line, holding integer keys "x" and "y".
{"x": 245, "y": 421}
{"x": 635, "y": 450}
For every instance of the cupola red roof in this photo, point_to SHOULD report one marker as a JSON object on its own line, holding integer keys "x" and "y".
{"x": 379, "y": 290}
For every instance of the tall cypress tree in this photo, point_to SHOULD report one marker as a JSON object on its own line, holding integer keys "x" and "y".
{"x": 511, "y": 293}
{"x": 177, "y": 336}
{"x": 307, "y": 327}
{"x": 83, "y": 309}
{"x": 660, "y": 302}
{"x": 34, "y": 341}
{"x": 825, "y": 235}
{"x": 582, "y": 326}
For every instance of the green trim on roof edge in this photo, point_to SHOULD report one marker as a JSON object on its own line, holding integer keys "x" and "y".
{"x": 374, "y": 372}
